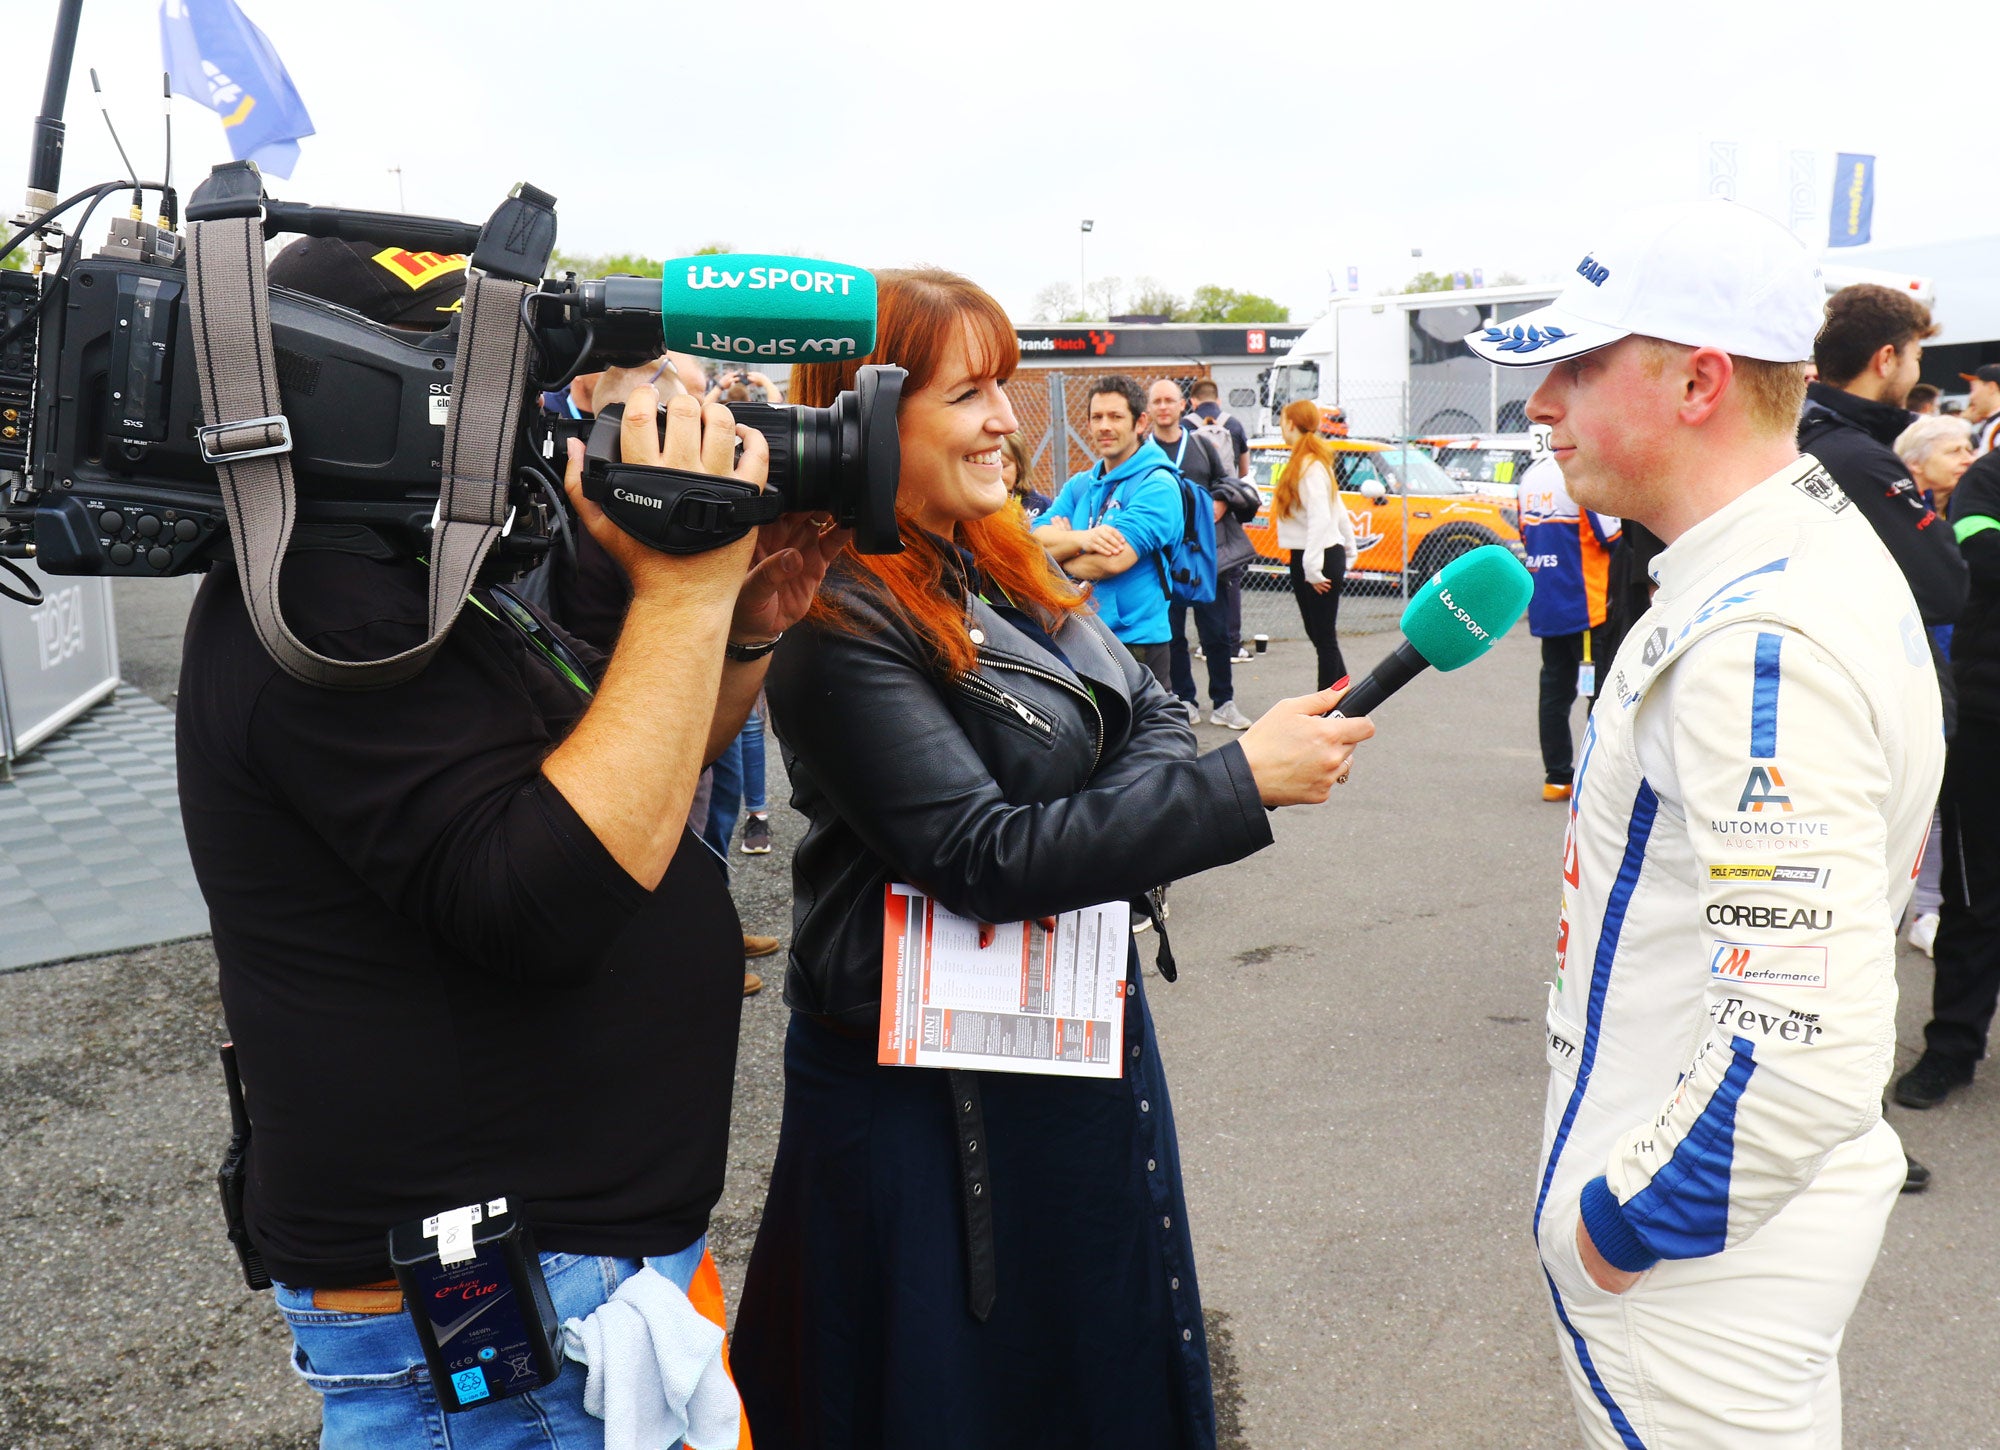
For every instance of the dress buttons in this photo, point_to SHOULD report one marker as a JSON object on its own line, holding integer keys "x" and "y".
{"x": 1135, "y": 1051}
{"x": 121, "y": 553}
{"x": 185, "y": 529}
{"x": 1152, "y": 1166}
{"x": 1144, "y": 1106}
{"x": 1166, "y": 1220}
{"x": 159, "y": 558}
{"x": 1175, "y": 1282}
{"x": 1186, "y": 1335}
{"x": 111, "y": 521}
{"x": 147, "y": 525}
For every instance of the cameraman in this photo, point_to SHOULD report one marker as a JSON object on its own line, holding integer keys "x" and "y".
{"x": 468, "y": 947}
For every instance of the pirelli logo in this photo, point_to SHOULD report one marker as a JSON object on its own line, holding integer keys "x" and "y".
{"x": 419, "y": 269}
{"x": 1777, "y": 875}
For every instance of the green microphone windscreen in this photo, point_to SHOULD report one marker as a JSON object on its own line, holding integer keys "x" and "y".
{"x": 1467, "y": 605}
{"x": 752, "y": 307}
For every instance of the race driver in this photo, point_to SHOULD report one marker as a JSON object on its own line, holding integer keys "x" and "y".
{"x": 1752, "y": 796}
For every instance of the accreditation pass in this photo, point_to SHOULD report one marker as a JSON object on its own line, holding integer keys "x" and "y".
{"x": 1031, "y": 1000}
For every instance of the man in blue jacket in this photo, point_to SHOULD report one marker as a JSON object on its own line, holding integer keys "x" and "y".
{"x": 1112, "y": 523}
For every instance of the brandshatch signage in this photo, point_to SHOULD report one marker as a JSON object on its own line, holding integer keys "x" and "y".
{"x": 1206, "y": 340}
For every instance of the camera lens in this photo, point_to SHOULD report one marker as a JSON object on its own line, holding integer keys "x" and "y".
{"x": 843, "y": 460}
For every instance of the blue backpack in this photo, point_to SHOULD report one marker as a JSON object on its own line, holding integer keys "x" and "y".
{"x": 1187, "y": 565}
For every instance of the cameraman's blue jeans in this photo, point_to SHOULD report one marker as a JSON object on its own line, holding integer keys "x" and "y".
{"x": 739, "y": 784}
{"x": 375, "y": 1390}
{"x": 1211, "y": 623}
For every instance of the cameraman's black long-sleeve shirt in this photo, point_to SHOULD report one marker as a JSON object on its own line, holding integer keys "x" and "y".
{"x": 442, "y": 988}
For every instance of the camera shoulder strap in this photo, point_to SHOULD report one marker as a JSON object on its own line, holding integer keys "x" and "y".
{"x": 249, "y": 441}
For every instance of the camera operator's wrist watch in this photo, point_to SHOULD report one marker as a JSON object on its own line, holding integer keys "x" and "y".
{"x": 745, "y": 653}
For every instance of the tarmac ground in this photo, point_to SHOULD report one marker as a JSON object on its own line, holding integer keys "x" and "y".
{"x": 1354, "y": 1049}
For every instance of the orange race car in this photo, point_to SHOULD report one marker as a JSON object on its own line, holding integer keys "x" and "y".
{"x": 1410, "y": 517}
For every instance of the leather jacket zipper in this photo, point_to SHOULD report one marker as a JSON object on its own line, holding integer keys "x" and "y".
{"x": 1005, "y": 704}
{"x": 1096, "y": 715}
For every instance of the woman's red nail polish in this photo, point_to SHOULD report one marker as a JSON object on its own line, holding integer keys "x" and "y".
{"x": 1341, "y": 683}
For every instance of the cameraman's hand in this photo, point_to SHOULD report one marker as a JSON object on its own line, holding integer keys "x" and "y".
{"x": 616, "y": 385}
{"x": 1295, "y": 756}
{"x": 792, "y": 558}
{"x": 697, "y": 438}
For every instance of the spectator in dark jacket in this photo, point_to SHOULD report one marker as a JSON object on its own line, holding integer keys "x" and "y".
{"x": 1967, "y": 950}
{"x": 1867, "y": 353}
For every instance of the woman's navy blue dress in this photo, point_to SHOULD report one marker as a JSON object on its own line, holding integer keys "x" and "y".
{"x": 854, "y": 1331}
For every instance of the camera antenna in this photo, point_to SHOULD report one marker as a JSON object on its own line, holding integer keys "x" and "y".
{"x": 168, "y": 207}
{"x": 138, "y": 201}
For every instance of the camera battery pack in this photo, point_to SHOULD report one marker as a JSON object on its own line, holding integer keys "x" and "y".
{"x": 473, "y": 1286}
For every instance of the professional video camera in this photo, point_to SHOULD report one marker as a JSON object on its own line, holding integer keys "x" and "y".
{"x": 162, "y": 407}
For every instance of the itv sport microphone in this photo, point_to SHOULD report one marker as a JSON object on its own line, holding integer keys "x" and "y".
{"x": 1451, "y": 621}
{"x": 742, "y": 305}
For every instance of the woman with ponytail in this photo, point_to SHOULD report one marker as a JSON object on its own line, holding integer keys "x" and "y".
{"x": 992, "y": 1258}
{"x": 1313, "y": 525}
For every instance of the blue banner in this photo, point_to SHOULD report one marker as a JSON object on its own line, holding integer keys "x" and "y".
{"x": 214, "y": 55}
{"x": 1853, "y": 219}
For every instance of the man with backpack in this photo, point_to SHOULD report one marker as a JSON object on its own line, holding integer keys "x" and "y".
{"x": 1233, "y": 502}
{"x": 1231, "y": 443}
{"x": 1115, "y": 524}
{"x": 1223, "y": 432}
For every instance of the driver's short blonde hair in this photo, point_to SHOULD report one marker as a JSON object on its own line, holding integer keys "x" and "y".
{"x": 1773, "y": 393}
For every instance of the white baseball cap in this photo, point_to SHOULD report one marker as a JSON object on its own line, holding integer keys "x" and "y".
{"x": 1706, "y": 274}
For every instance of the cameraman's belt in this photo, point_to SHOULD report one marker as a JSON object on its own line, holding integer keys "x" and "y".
{"x": 230, "y": 315}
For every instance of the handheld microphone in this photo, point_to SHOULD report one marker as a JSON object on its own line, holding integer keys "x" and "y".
{"x": 742, "y": 305}
{"x": 1453, "y": 620}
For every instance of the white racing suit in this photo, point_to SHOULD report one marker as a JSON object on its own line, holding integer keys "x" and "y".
{"x": 1750, "y": 805}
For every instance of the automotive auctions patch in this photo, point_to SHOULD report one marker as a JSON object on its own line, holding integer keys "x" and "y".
{"x": 1762, "y": 964}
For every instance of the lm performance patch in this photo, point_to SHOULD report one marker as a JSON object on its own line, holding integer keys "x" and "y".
{"x": 1760, "y": 964}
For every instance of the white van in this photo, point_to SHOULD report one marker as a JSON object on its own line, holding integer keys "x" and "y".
{"x": 1398, "y": 368}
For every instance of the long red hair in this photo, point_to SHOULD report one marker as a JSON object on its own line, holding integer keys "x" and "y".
{"x": 920, "y": 312}
{"x": 1302, "y": 414}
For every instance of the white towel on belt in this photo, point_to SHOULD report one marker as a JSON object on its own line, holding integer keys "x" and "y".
{"x": 655, "y": 1367}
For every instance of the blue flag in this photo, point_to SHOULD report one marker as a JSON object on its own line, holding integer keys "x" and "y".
{"x": 216, "y": 56}
{"x": 1853, "y": 219}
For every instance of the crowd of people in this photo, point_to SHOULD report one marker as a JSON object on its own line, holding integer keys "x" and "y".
{"x": 466, "y": 879}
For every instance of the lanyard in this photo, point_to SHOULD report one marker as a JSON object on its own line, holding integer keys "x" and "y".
{"x": 524, "y": 620}
{"x": 513, "y": 611}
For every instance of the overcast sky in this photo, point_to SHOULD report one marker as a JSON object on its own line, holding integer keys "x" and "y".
{"x": 1256, "y": 146}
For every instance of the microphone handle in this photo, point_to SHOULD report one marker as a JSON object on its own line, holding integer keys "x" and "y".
{"x": 1397, "y": 669}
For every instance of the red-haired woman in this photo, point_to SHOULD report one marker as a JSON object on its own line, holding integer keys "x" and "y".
{"x": 1313, "y": 524}
{"x": 992, "y": 1258}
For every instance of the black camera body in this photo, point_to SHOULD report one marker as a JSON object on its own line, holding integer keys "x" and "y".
{"x": 104, "y": 469}
{"x": 122, "y": 487}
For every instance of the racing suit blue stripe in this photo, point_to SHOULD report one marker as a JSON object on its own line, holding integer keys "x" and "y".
{"x": 1684, "y": 1212}
{"x": 1776, "y": 566}
{"x": 1618, "y": 1421}
{"x": 1644, "y": 807}
{"x": 1764, "y": 699}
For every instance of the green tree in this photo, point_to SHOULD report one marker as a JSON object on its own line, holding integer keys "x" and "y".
{"x": 1150, "y": 298}
{"x": 624, "y": 264}
{"x": 1442, "y": 281}
{"x": 1211, "y": 303}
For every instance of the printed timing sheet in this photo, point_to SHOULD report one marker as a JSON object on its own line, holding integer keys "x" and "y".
{"x": 1031, "y": 1000}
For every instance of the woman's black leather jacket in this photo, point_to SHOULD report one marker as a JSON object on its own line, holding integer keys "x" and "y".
{"x": 1024, "y": 789}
